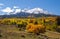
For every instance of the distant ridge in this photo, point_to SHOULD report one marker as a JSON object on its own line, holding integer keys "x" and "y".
{"x": 36, "y": 12}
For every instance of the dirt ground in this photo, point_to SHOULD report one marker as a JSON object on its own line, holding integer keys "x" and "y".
{"x": 10, "y": 32}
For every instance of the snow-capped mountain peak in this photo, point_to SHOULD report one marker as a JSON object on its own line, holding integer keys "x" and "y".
{"x": 35, "y": 11}
{"x": 18, "y": 10}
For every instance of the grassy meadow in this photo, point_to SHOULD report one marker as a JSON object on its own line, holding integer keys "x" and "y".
{"x": 30, "y": 28}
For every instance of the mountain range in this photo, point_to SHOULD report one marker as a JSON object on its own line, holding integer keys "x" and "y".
{"x": 36, "y": 12}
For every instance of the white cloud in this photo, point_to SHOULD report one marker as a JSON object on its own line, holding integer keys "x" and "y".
{"x": 7, "y": 10}
{"x": 15, "y": 7}
{"x": 24, "y": 10}
{"x": 35, "y": 10}
{"x": 1, "y": 4}
{"x": 17, "y": 10}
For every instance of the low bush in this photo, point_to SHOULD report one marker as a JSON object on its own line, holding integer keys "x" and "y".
{"x": 35, "y": 28}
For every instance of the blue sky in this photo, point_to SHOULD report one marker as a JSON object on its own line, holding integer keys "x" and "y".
{"x": 49, "y": 5}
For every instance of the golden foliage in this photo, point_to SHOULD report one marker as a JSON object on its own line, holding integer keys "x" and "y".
{"x": 35, "y": 28}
